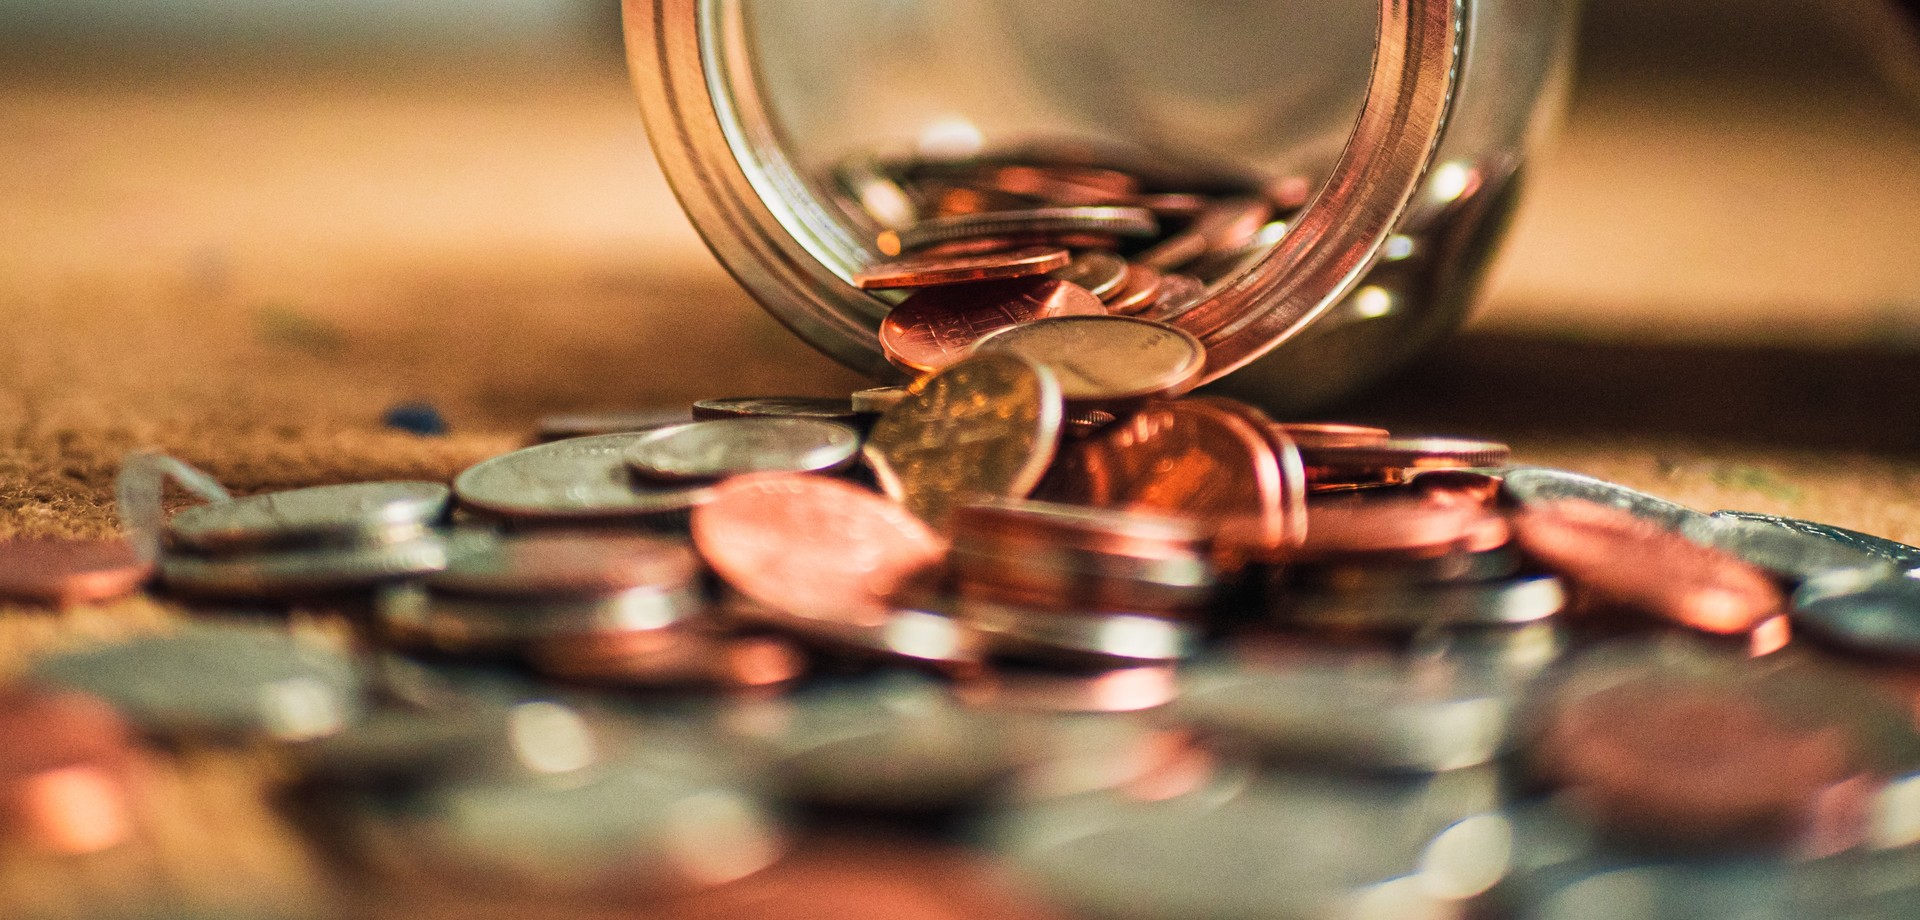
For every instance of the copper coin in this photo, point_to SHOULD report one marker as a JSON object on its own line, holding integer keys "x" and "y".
{"x": 66, "y": 771}
{"x": 43, "y": 729}
{"x": 1139, "y": 292}
{"x": 1121, "y": 221}
{"x": 1690, "y": 762}
{"x": 566, "y": 564}
{"x": 1327, "y": 434}
{"x": 667, "y": 659}
{"x": 1405, "y": 454}
{"x": 936, "y": 327}
{"x": 1178, "y": 294}
{"x": 1626, "y": 560}
{"x": 1206, "y": 458}
{"x": 1172, "y": 204}
{"x": 987, "y": 427}
{"x": 1228, "y": 224}
{"x": 1119, "y": 690}
{"x": 1458, "y": 487}
{"x": 1099, "y": 271}
{"x": 1098, "y": 530}
{"x": 930, "y": 271}
{"x": 983, "y": 245}
{"x": 811, "y": 546}
{"x": 1105, "y": 360}
{"x": 68, "y": 572}
{"x": 1397, "y": 526}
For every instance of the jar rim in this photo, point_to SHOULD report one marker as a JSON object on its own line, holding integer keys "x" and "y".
{"x": 691, "y": 66}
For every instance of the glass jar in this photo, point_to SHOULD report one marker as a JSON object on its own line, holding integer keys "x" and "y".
{"x": 1412, "y": 118}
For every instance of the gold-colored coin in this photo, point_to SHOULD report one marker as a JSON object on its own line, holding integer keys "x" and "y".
{"x": 984, "y": 428}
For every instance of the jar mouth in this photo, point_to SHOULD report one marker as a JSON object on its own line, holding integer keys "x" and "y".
{"x": 796, "y": 242}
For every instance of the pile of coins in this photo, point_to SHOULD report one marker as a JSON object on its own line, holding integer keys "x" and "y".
{"x": 1163, "y": 657}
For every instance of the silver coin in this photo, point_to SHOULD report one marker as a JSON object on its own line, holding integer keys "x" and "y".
{"x": 878, "y": 400}
{"x": 409, "y": 746}
{"x": 1785, "y": 551}
{"x": 1109, "y": 637}
{"x": 1527, "y": 599}
{"x": 1534, "y": 485}
{"x": 350, "y": 513}
{"x": 1899, "y": 555}
{"x": 728, "y": 447}
{"x": 906, "y": 635}
{"x": 462, "y": 624}
{"x": 294, "y": 573}
{"x": 898, "y": 745}
{"x": 1119, "y": 690}
{"x": 612, "y": 421}
{"x": 1100, "y": 272}
{"x": 1367, "y": 711}
{"x": 1278, "y": 846}
{"x": 580, "y": 479}
{"x": 217, "y": 680}
{"x": 1120, "y": 221}
{"x": 1723, "y": 889}
{"x": 607, "y": 829}
{"x": 1875, "y": 612}
{"x": 824, "y": 408}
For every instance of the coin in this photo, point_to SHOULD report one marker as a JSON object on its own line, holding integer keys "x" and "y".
{"x": 1325, "y": 434}
{"x": 1405, "y": 526}
{"x": 299, "y": 572}
{"x": 1901, "y": 556}
{"x": 67, "y": 772}
{"x": 1100, "y": 272}
{"x": 878, "y": 399}
{"x": 1121, "y": 221}
{"x": 1785, "y": 551}
{"x": 813, "y": 547}
{"x": 1177, "y": 295}
{"x": 1118, "y": 690}
{"x": 465, "y": 624}
{"x": 1082, "y": 186}
{"x": 902, "y": 635}
{"x": 1206, "y": 458}
{"x": 359, "y": 512}
{"x": 564, "y": 565}
{"x": 612, "y": 421}
{"x": 1359, "y": 710}
{"x": 825, "y": 408}
{"x": 727, "y": 447}
{"x": 930, "y": 271}
{"x": 1081, "y": 637}
{"x": 986, "y": 245}
{"x": 1405, "y": 454}
{"x": 1226, "y": 224}
{"x": 1036, "y": 523}
{"x": 1105, "y": 360}
{"x": 879, "y": 196}
{"x": 1385, "y": 609}
{"x": 1872, "y": 612}
{"x": 1631, "y": 561}
{"x": 671, "y": 659}
{"x": 935, "y": 327}
{"x": 218, "y": 680}
{"x": 1689, "y": 761}
{"x": 985, "y": 428}
{"x": 579, "y": 479}
{"x": 1532, "y": 485}
{"x": 1140, "y": 291}
{"x": 65, "y": 572}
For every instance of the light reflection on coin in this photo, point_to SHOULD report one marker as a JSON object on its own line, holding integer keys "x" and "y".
{"x": 352, "y": 512}
{"x": 1100, "y": 272}
{"x": 575, "y": 479}
{"x": 729, "y": 447}
{"x": 1106, "y": 359}
{"x": 984, "y": 428}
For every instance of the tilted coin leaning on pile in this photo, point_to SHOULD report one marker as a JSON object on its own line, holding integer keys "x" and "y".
{"x": 1161, "y": 655}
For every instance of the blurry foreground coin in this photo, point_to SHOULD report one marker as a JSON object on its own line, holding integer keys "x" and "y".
{"x": 64, "y": 573}
{"x": 217, "y": 680}
{"x": 1873, "y": 613}
{"x": 297, "y": 572}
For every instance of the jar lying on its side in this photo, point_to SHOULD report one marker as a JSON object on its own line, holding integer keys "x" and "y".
{"x": 1413, "y": 120}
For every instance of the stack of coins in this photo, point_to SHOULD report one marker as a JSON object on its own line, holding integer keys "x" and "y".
{"x": 307, "y": 541}
{"x": 1081, "y": 584}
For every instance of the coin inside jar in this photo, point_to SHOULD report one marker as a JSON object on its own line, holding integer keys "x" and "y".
{"x": 1100, "y": 272}
{"x": 937, "y": 326}
{"x": 727, "y": 447}
{"x": 1140, "y": 291}
{"x": 352, "y": 512}
{"x": 987, "y": 427}
{"x": 1123, "y": 221}
{"x": 813, "y": 547}
{"x": 930, "y": 271}
{"x": 68, "y": 572}
{"x": 1106, "y": 359}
